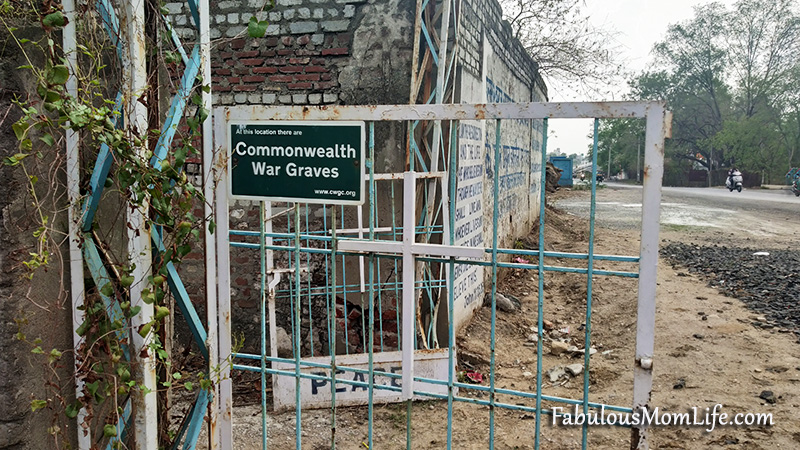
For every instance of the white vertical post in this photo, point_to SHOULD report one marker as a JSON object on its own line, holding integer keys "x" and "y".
{"x": 409, "y": 337}
{"x": 73, "y": 191}
{"x": 656, "y": 130}
{"x": 208, "y": 193}
{"x": 224, "y": 292}
{"x": 139, "y": 245}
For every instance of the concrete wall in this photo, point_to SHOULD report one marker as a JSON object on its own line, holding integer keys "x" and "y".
{"x": 493, "y": 68}
{"x": 38, "y": 309}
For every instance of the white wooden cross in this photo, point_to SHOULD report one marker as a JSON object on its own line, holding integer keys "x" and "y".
{"x": 409, "y": 249}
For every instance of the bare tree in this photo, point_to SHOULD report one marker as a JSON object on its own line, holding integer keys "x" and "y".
{"x": 568, "y": 48}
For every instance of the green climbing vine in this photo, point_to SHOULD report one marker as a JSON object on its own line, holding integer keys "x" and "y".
{"x": 162, "y": 191}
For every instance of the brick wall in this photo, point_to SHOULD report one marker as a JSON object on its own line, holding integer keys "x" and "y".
{"x": 319, "y": 52}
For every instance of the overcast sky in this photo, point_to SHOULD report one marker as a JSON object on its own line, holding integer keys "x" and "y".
{"x": 639, "y": 24}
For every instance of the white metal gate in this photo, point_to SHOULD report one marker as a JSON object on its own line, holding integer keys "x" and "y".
{"x": 378, "y": 245}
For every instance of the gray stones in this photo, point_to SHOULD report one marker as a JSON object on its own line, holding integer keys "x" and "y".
{"x": 335, "y": 25}
{"x": 768, "y": 396}
{"x": 504, "y": 303}
{"x": 574, "y": 369}
{"x": 284, "y": 343}
{"x": 303, "y": 27}
{"x": 762, "y": 280}
{"x": 556, "y": 373}
{"x": 558, "y": 347}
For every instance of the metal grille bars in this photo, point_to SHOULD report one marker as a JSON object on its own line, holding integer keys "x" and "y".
{"x": 302, "y": 369}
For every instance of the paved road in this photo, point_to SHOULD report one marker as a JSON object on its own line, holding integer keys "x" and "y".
{"x": 745, "y": 197}
{"x": 758, "y": 212}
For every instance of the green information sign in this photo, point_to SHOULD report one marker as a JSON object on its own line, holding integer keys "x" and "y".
{"x": 308, "y": 162}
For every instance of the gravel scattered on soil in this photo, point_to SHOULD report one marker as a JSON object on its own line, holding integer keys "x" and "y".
{"x": 767, "y": 281}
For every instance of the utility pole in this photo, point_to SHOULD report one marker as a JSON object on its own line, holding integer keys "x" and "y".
{"x": 638, "y": 160}
{"x": 710, "y": 166}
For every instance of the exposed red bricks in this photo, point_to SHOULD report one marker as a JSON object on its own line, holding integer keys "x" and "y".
{"x": 252, "y": 61}
{"x": 279, "y": 63}
{"x": 311, "y": 77}
{"x": 247, "y": 54}
{"x": 281, "y": 78}
{"x": 335, "y": 51}
{"x": 254, "y": 79}
{"x": 291, "y": 69}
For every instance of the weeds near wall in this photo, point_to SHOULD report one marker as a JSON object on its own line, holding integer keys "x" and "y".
{"x": 159, "y": 188}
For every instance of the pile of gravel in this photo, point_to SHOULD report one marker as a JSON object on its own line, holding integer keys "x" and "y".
{"x": 767, "y": 281}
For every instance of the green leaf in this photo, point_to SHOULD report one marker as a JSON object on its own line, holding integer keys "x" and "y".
{"x": 109, "y": 430}
{"x": 107, "y": 290}
{"x": 72, "y": 410}
{"x": 161, "y": 312}
{"x": 145, "y": 329}
{"x": 256, "y": 28}
{"x": 58, "y": 75}
{"x": 38, "y": 404}
{"x": 126, "y": 281}
{"x": 48, "y": 139}
{"x": 177, "y": 375}
{"x": 82, "y": 328}
{"x": 55, "y": 19}
{"x": 180, "y": 156}
{"x": 54, "y": 355}
{"x": 134, "y": 311}
{"x": 37, "y": 350}
{"x": 52, "y": 96}
{"x": 188, "y": 385}
{"x": 20, "y": 129}
{"x": 93, "y": 387}
{"x": 202, "y": 114}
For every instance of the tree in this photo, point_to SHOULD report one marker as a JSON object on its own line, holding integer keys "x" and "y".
{"x": 763, "y": 39}
{"x": 622, "y": 138}
{"x": 731, "y": 78}
{"x": 694, "y": 65}
{"x": 563, "y": 42}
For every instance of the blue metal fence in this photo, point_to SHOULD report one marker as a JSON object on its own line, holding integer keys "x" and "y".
{"x": 329, "y": 247}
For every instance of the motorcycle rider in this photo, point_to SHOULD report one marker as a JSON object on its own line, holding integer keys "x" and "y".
{"x": 731, "y": 171}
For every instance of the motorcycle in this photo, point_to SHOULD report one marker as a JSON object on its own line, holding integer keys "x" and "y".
{"x": 796, "y": 187}
{"x": 734, "y": 181}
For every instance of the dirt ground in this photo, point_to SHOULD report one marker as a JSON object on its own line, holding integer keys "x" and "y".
{"x": 707, "y": 353}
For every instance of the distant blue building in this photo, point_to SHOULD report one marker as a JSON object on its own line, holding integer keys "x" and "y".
{"x": 563, "y": 163}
